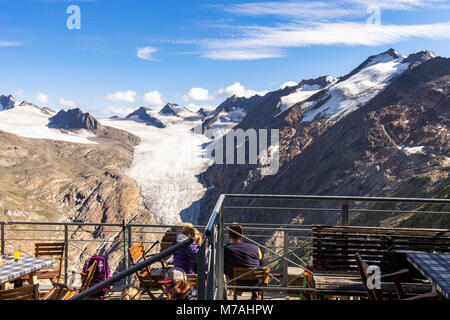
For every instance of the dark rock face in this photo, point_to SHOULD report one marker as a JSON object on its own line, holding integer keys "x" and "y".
{"x": 143, "y": 116}
{"x": 75, "y": 119}
{"x": 395, "y": 145}
{"x": 168, "y": 109}
{"x": 7, "y": 102}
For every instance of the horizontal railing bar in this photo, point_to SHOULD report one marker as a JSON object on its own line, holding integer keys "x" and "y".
{"x": 272, "y": 224}
{"x": 277, "y": 229}
{"x": 331, "y": 198}
{"x": 274, "y": 288}
{"x": 336, "y": 210}
{"x": 63, "y": 223}
{"x": 282, "y": 208}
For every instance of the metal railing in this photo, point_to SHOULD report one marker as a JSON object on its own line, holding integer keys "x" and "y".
{"x": 215, "y": 230}
{"x": 283, "y": 244}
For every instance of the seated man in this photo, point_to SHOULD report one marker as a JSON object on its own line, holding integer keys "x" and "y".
{"x": 239, "y": 254}
{"x": 177, "y": 287}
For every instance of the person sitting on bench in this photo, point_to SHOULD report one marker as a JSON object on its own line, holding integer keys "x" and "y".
{"x": 239, "y": 254}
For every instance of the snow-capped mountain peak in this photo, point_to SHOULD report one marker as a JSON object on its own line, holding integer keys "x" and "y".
{"x": 172, "y": 109}
{"x": 304, "y": 90}
{"x": 358, "y": 87}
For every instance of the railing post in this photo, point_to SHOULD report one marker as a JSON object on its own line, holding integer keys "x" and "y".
{"x": 124, "y": 246}
{"x": 201, "y": 264}
{"x": 66, "y": 253}
{"x": 130, "y": 244}
{"x": 220, "y": 254}
{"x": 285, "y": 261}
{"x": 344, "y": 213}
{"x": 2, "y": 232}
{"x": 211, "y": 266}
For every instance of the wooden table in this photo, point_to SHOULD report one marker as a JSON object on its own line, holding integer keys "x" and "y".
{"x": 435, "y": 267}
{"x": 11, "y": 270}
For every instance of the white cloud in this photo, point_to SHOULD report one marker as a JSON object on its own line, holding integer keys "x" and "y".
{"x": 153, "y": 98}
{"x": 42, "y": 98}
{"x": 288, "y": 84}
{"x": 146, "y": 53}
{"x": 194, "y": 107}
{"x": 239, "y": 90}
{"x": 19, "y": 93}
{"x": 325, "y": 10}
{"x": 67, "y": 103}
{"x": 258, "y": 39}
{"x": 116, "y": 111}
{"x": 242, "y": 54}
{"x": 197, "y": 94}
{"x": 4, "y": 43}
{"x": 125, "y": 96}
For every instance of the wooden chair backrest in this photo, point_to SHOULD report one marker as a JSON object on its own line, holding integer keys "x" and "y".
{"x": 88, "y": 276}
{"x": 135, "y": 253}
{"x": 192, "y": 279}
{"x": 54, "y": 249}
{"x": 334, "y": 247}
{"x": 374, "y": 294}
{"x": 256, "y": 274}
{"x": 22, "y": 293}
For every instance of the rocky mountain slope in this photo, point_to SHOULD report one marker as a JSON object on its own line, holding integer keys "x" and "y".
{"x": 63, "y": 175}
{"x": 380, "y": 130}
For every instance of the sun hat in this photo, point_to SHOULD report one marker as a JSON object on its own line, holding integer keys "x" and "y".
{"x": 174, "y": 274}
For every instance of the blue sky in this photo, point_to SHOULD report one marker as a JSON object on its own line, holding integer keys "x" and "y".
{"x": 129, "y": 53}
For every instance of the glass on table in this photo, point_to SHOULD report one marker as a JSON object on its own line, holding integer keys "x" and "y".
{"x": 17, "y": 256}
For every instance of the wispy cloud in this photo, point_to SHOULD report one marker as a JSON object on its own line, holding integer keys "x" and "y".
{"x": 4, "y": 43}
{"x": 324, "y": 10}
{"x": 145, "y": 53}
{"x": 268, "y": 42}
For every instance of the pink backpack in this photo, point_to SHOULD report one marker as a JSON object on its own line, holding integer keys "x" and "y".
{"x": 100, "y": 274}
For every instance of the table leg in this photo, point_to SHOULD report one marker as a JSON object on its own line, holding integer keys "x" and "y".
{"x": 33, "y": 278}
{"x": 5, "y": 285}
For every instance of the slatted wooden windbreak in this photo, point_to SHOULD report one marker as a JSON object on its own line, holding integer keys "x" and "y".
{"x": 334, "y": 248}
{"x": 22, "y": 293}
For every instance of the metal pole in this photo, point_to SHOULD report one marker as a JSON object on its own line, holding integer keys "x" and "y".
{"x": 285, "y": 261}
{"x": 220, "y": 255}
{"x": 66, "y": 253}
{"x": 130, "y": 244}
{"x": 345, "y": 213}
{"x": 201, "y": 264}
{"x": 124, "y": 245}
{"x": 210, "y": 282}
{"x": 2, "y": 232}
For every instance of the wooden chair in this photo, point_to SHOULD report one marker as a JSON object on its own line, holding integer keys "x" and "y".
{"x": 256, "y": 274}
{"x": 377, "y": 294}
{"x": 148, "y": 277}
{"x": 192, "y": 279}
{"x": 56, "y": 249}
{"x": 22, "y": 293}
{"x": 62, "y": 292}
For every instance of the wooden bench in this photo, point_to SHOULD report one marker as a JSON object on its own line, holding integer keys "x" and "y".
{"x": 334, "y": 248}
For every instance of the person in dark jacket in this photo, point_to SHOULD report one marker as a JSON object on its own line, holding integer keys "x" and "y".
{"x": 177, "y": 287}
{"x": 239, "y": 254}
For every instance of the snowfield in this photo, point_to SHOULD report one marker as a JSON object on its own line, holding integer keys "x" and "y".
{"x": 348, "y": 95}
{"x": 167, "y": 166}
{"x": 31, "y": 122}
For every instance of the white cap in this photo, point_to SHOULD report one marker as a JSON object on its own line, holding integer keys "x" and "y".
{"x": 174, "y": 274}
